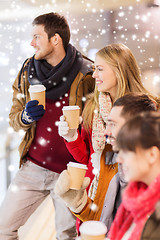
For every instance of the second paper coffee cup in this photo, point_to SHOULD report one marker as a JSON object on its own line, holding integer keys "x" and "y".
{"x": 71, "y": 114}
{"x": 77, "y": 172}
{"x": 37, "y": 92}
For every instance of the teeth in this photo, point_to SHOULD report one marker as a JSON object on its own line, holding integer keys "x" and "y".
{"x": 108, "y": 141}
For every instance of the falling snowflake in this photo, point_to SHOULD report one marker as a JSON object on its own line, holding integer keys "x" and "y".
{"x": 49, "y": 129}
{"x": 42, "y": 142}
{"x": 58, "y": 104}
{"x": 93, "y": 207}
{"x": 14, "y": 188}
{"x": 11, "y": 168}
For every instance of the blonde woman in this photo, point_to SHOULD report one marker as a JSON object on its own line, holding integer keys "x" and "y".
{"x": 116, "y": 73}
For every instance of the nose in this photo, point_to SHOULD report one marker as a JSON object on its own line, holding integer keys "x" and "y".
{"x": 105, "y": 132}
{"x": 94, "y": 75}
{"x": 108, "y": 131}
{"x": 32, "y": 43}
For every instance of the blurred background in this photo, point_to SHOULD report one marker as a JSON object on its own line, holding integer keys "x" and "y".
{"x": 93, "y": 24}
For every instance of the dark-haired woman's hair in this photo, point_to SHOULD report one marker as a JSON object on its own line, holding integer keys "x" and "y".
{"x": 140, "y": 131}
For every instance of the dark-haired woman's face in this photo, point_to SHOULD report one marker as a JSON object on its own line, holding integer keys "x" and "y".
{"x": 135, "y": 165}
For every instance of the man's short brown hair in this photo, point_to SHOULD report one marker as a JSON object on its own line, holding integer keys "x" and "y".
{"x": 135, "y": 103}
{"x": 54, "y": 23}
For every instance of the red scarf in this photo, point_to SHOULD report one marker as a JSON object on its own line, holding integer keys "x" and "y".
{"x": 138, "y": 202}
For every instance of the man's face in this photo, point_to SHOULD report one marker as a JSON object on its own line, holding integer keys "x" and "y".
{"x": 114, "y": 124}
{"x": 44, "y": 48}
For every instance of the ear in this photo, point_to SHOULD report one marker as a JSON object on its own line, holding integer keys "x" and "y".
{"x": 154, "y": 154}
{"x": 56, "y": 39}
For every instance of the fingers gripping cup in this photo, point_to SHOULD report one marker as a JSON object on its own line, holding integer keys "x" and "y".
{"x": 37, "y": 92}
{"x": 93, "y": 230}
{"x": 77, "y": 172}
{"x": 71, "y": 114}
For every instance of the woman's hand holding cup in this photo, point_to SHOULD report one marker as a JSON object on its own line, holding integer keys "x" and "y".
{"x": 69, "y": 123}
{"x": 64, "y": 131}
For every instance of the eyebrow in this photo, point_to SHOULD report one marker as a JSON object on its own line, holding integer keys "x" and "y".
{"x": 111, "y": 121}
{"x": 98, "y": 65}
{"x": 35, "y": 34}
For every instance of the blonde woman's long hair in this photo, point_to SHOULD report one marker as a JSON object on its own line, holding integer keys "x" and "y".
{"x": 120, "y": 58}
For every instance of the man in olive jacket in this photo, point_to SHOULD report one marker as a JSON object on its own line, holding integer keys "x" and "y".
{"x": 43, "y": 156}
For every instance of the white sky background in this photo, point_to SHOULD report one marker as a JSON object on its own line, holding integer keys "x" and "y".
{"x": 92, "y": 28}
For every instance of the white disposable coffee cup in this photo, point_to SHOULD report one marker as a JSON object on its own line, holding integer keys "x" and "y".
{"x": 93, "y": 230}
{"x": 77, "y": 172}
{"x": 71, "y": 114}
{"x": 38, "y": 92}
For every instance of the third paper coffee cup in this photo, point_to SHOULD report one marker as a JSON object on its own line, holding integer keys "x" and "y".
{"x": 71, "y": 114}
{"x": 37, "y": 92}
{"x": 93, "y": 230}
{"x": 77, "y": 172}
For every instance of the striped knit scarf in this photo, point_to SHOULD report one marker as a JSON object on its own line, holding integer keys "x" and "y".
{"x": 98, "y": 138}
{"x": 99, "y": 120}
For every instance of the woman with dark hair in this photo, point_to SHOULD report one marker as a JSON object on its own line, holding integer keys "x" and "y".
{"x": 138, "y": 216}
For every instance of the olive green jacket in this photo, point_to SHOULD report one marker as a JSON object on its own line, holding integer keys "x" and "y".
{"x": 151, "y": 230}
{"x": 81, "y": 86}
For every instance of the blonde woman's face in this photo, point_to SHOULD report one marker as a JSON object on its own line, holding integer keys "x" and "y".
{"x": 105, "y": 77}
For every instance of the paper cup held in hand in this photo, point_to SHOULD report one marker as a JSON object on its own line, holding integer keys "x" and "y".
{"x": 71, "y": 114}
{"x": 77, "y": 172}
{"x": 93, "y": 230}
{"x": 38, "y": 92}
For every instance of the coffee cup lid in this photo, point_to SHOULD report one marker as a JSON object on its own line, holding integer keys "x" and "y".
{"x": 37, "y": 88}
{"x": 79, "y": 238}
{"x": 77, "y": 165}
{"x": 74, "y": 107}
{"x": 93, "y": 228}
